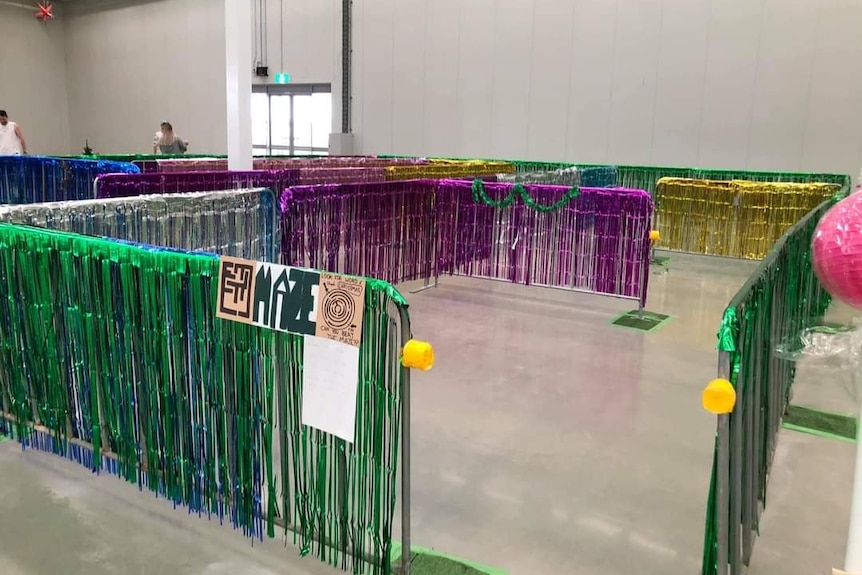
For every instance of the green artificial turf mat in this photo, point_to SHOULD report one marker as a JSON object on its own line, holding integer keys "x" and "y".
{"x": 434, "y": 565}
{"x": 647, "y": 322}
{"x": 821, "y": 423}
{"x": 431, "y": 562}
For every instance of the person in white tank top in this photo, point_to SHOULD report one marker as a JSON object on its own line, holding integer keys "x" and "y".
{"x": 12, "y": 142}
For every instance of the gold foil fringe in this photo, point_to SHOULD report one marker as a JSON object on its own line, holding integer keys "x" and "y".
{"x": 439, "y": 169}
{"x": 731, "y": 218}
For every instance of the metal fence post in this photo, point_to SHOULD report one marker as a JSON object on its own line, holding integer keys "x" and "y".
{"x": 405, "y": 446}
{"x": 722, "y": 475}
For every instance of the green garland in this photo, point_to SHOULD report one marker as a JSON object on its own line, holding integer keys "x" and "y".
{"x": 479, "y": 194}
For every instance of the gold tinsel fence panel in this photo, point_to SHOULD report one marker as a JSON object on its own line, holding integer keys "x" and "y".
{"x": 449, "y": 169}
{"x": 732, "y": 218}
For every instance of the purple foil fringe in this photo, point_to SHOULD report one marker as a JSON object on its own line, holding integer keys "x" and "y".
{"x": 415, "y": 229}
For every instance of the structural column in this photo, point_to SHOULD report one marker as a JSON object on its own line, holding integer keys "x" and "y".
{"x": 238, "y": 63}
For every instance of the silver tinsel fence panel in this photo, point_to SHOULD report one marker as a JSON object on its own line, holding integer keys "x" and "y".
{"x": 239, "y": 223}
{"x": 589, "y": 177}
{"x": 31, "y": 179}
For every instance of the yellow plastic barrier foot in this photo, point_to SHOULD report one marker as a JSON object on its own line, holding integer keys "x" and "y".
{"x": 654, "y": 236}
{"x": 719, "y": 397}
{"x": 418, "y": 355}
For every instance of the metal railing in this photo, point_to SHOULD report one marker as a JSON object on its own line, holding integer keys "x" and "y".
{"x": 782, "y": 297}
{"x": 31, "y": 179}
{"x": 129, "y": 372}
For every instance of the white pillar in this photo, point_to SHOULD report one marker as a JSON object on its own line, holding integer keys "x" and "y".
{"x": 238, "y": 39}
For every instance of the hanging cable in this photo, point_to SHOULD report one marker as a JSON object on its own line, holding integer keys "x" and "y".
{"x": 256, "y": 44}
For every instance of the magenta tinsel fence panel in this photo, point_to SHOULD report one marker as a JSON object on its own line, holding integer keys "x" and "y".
{"x": 597, "y": 240}
{"x": 381, "y": 230}
{"x": 119, "y": 186}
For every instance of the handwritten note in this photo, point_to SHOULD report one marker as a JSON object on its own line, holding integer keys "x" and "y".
{"x": 330, "y": 381}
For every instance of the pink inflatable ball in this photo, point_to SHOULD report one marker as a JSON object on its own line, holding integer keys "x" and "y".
{"x": 837, "y": 250}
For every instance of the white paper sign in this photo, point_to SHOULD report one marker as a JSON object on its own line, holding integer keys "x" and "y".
{"x": 330, "y": 380}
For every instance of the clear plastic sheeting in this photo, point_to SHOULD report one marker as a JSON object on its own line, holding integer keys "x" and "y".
{"x": 562, "y": 177}
{"x": 239, "y": 223}
{"x": 835, "y": 351}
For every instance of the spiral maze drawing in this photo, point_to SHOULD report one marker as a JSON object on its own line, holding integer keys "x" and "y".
{"x": 338, "y": 309}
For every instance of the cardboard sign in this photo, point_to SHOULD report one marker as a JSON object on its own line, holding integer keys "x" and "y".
{"x": 293, "y": 300}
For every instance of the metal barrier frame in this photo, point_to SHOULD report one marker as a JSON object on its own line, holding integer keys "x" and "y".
{"x": 738, "y": 506}
{"x": 42, "y": 438}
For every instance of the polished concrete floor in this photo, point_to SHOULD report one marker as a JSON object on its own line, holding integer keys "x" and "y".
{"x": 545, "y": 442}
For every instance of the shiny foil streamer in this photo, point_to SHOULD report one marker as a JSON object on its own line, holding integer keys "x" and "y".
{"x": 30, "y": 179}
{"x": 561, "y": 177}
{"x": 732, "y": 218}
{"x": 311, "y": 176}
{"x": 417, "y": 229}
{"x": 113, "y": 351}
{"x": 441, "y": 169}
{"x": 777, "y": 302}
{"x": 285, "y": 162}
{"x": 595, "y": 240}
{"x": 121, "y": 186}
{"x": 238, "y": 223}
{"x": 646, "y": 177}
{"x": 382, "y": 230}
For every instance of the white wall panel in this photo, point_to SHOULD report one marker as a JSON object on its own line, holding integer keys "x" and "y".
{"x": 130, "y": 68}
{"x": 636, "y": 55}
{"x": 680, "y": 85}
{"x": 550, "y": 68}
{"x": 33, "y": 80}
{"x": 832, "y": 136}
{"x": 731, "y": 71}
{"x": 782, "y": 83}
{"x": 592, "y": 65}
{"x": 476, "y": 49}
{"x": 513, "y": 49}
{"x": 408, "y": 89}
{"x": 442, "y": 73}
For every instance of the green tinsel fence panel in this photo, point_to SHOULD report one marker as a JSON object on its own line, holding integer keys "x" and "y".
{"x": 646, "y": 177}
{"x": 111, "y": 355}
{"x": 781, "y": 298}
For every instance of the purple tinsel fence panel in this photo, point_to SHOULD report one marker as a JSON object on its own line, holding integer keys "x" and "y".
{"x": 120, "y": 186}
{"x": 597, "y": 241}
{"x": 382, "y": 230}
{"x": 314, "y": 175}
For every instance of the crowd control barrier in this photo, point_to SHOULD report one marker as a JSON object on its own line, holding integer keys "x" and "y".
{"x": 112, "y": 356}
{"x": 752, "y": 390}
{"x": 31, "y": 179}
{"x": 732, "y": 218}
{"x": 586, "y": 239}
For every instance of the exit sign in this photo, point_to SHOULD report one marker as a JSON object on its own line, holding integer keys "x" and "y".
{"x": 282, "y": 78}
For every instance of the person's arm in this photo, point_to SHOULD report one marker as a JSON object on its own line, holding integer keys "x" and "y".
{"x": 20, "y": 134}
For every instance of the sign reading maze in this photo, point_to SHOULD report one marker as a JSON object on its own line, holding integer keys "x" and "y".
{"x": 326, "y": 308}
{"x": 290, "y": 299}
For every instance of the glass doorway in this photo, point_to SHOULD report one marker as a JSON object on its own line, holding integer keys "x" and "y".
{"x": 291, "y": 120}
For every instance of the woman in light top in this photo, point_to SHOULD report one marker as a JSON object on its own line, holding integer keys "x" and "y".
{"x": 168, "y": 143}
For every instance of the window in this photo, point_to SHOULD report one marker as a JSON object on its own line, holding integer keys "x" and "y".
{"x": 291, "y": 119}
